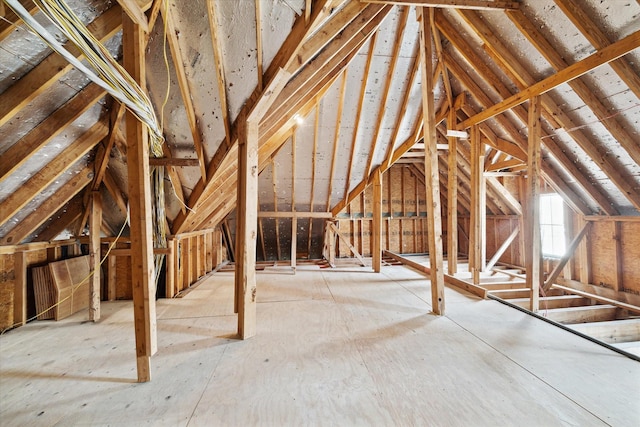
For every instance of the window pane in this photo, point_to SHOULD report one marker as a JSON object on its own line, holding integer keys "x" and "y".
{"x": 552, "y": 225}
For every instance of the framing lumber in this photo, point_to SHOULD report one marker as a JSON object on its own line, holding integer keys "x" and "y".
{"x": 452, "y": 197}
{"x": 62, "y": 219}
{"x": 294, "y": 214}
{"x": 566, "y": 257}
{"x": 376, "y": 232}
{"x": 604, "y": 56}
{"x": 533, "y": 243}
{"x": 135, "y": 13}
{"x": 546, "y": 49}
{"x": 434, "y": 215}
{"x": 49, "y": 70}
{"x": 185, "y": 90}
{"x": 593, "y": 32}
{"x": 46, "y": 130}
{"x": 50, "y": 172}
{"x": 449, "y": 279}
{"x": 336, "y": 136}
{"x": 346, "y": 241}
{"x": 503, "y": 248}
{"x": 95, "y": 222}
{"x": 478, "y": 220}
{"x": 316, "y": 124}
{"x": 246, "y": 224}
{"x": 49, "y": 207}
{"x": 142, "y": 267}
{"x": 7, "y": 25}
{"x": 102, "y": 161}
{"x": 20, "y": 289}
{"x": 454, "y": 4}
{"x": 402, "y": 22}
{"x": 511, "y": 65}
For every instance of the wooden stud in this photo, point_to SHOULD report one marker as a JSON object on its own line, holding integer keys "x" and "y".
{"x": 452, "y": 197}
{"x": 20, "y": 289}
{"x": 294, "y": 241}
{"x": 477, "y": 247}
{"x": 316, "y": 124}
{"x": 532, "y": 236}
{"x": 346, "y": 241}
{"x": 95, "y": 221}
{"x": 434, "y": 220}
{"x": 336, "y": 136}
{"x": 503, "y": 248}
{"x": 618, "y": 283}
{"x": 565, "y": 258}
{"x": 376, "y": 252}
{"x": 142, "y": 269}
{"x": 259, "y": 59}
{"x": 246, "y": 232}
{"x": 112, "y": 263}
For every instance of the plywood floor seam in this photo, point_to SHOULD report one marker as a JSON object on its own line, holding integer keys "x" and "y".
{"x": 333, "y": 348}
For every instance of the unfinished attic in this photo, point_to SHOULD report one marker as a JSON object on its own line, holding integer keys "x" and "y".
{"x": 417, "y": 210}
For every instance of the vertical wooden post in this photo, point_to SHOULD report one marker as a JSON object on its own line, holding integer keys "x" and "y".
{"x": 376, "y": 232}
{"x": 294, "y": 241}
{"x": 142, "y": 269}
{"x": 567, "y": 272}
{"x": 246, "y": 227}
{"x": 452, "y": 197}
{"x": 434, "y": 213}
{"x": 618, "y": 284}
{"x": 20, "y": 289}
{"x": 95, "y": 222}
{"x": 170, "y": 282}
{"x": 534, "y": 245}
{"x": 112, "y": 277}
{"x": 477, "y": 249}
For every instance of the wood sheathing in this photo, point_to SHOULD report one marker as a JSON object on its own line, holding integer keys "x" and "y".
{"x": 333, "y": 88}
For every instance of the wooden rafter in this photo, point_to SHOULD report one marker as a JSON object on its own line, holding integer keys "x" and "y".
{"x": 596, "y": 36}
{"x": 185, "y": 90}
{"x": 615, "y": 128}
{"x": 402, "y": 21}
{"x": 10, "y": 19}
{"x": 102, "y": 158}
{"x": 454, "y": 4}
{"x": 508, "y": 62}
{"x": 46, "y": 130}
{"x": 356, "y": 125}
{"x": 316, "y": 125}
{"x": 49, "y": 70}
{"x": 336, "y": 136}
{"x": 46, "y": 209}
{"x": 51, "y": 171}
{"x": 573, "y": 71}
{"x": 62, "y": 219}
{"x": 270, "y": 90}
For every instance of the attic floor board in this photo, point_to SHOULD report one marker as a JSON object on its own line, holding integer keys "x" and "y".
{"x": 346, "y": 347}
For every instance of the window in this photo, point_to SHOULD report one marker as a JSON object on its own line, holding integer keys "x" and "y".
{"x": 552, "y": 225}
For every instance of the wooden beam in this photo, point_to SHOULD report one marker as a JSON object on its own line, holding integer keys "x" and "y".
{"x": 246, "y": 224}
{"x": 511, "y": 65}
{"x": 634, "y": 308}
{"x": 62, "y": 219}
{"x": 454, "y": 4}
{"x": 604, "y": 56}
{"x": 478, "y": 224}
{"x": 49, "y": 70}
{"x": 142, "y": 268}
{"x": 336, "y": 137}
{"x": 566, "y": 257}
{"x": 51, "y": 171}
{"x": 434, "y": 213}
{"x": 10, "y": 21}
{"x": 596, "y": 36}
{"x": 185, "y": 90}
{"x": 376, "y": 232}
{"x": 49, "y": 207}
{"x": 402, "y": 22}
{"x": 294, "y": 214}
{"x": 503, "y": 248}
{"x": 46, "y": 130}
{"x": 294, "y": 242}
{"x": 102, "y": 158}
{"x": 135, "y": 13}
{"x": 532, "y": 236}
{"x": 448, "y": 278}
{"x": 20, "y": 289}
{"x": 346, "y": 241}
{"x": 95, "y": 221}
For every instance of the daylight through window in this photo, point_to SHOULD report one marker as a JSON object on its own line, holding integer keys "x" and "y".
{"x": 552, "y": 225}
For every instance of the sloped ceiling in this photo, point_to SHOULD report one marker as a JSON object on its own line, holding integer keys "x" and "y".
{"x": 351, "y": 106}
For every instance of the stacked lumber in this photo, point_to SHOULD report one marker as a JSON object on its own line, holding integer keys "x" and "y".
{"x": 61, "y": 288}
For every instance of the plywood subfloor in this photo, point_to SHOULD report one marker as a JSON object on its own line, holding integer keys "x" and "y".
{"x": 333, "y": 348}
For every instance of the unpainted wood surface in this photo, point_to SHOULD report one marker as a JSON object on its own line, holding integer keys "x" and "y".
{"x": 333, "y": 347}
